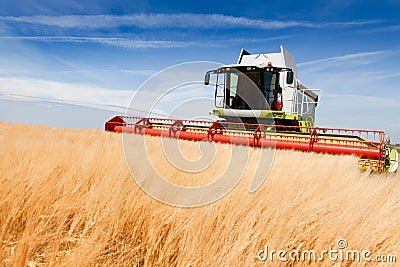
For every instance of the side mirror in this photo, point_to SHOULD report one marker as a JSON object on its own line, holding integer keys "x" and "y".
{"x": 207, "y": 79}
{"x": 289, "y": 77}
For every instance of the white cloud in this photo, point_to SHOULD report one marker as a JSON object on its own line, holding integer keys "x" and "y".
{"x": 392, "y": 28}
{"x": 179, "y": 20}
{"x": 258, "y": 40}
{"x": 342, "y": 71}
{"x": 37, "y": 90}
{"x": 27, "y": 72}
{"x": 364, "y": 73}
{"x": 25, "y": 89}
{"x": 137, "y": 44}
{"x": 354, "y": 23}
{"x": 340, "y": 59}
{"x": 120, "y": 42}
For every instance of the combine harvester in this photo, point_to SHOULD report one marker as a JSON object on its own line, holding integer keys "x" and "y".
{"x": 260, "y": 102}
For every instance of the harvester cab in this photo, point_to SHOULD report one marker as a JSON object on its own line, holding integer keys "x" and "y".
{"x": 261, "y": 88}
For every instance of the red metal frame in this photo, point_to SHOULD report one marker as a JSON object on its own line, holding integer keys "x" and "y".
{"x": 367, "y": 144}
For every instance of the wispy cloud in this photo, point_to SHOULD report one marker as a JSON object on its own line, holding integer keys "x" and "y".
{"x": 384, "y": 29}
{"x": 257, "y": 40}
{"x": 26, "y": 72}
{"x": 138, "y": 44}
{"x": 352, "y": 23}
{"x": 44, "y": 90}
{"x": 119, "y": 42}
{"x": 177, "y": 20}
{"x": 340, "y": 59}
{"x": 40, "y": 90}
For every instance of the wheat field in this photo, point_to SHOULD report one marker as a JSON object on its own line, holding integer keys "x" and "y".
{"x": 67, "y": 199}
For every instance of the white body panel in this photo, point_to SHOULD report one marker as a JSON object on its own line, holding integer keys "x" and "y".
{"x": 289, "y": 91}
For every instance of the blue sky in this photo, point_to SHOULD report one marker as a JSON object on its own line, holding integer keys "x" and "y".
{"x": 77, "y": 63}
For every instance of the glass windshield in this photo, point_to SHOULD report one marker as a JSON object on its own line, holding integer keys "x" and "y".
{"x": 243, "y": 89}
{"x": 269, "y": 86}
